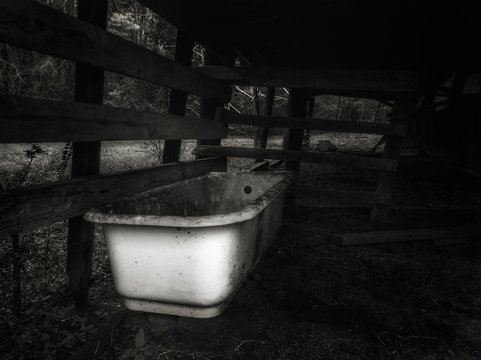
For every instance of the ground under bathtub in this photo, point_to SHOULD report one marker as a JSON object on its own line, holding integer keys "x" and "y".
{"x": 184, "y": 249}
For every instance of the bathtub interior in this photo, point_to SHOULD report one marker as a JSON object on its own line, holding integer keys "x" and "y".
{"x": 212, "y": 194}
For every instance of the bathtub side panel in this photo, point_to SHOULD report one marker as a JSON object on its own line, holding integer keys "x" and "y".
{"x": 191, "y": 266}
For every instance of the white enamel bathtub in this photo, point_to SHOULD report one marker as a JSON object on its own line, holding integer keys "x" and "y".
{"x": 184, "y": 249}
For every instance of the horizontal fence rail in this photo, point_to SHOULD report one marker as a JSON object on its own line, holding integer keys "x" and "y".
{"x": 38, "y": 27}
{"x": 25, "y": 119}
{"x": 393, "y": 236}
{"x": 315, "y": 124}
{"x": 301, "y": 156}
{"x": 328, "y": 79}
{"x": 33, "y": 206}
{"x": 344, "y": 197}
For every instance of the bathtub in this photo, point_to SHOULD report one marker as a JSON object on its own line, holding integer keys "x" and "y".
{"x": 184, "y": 249}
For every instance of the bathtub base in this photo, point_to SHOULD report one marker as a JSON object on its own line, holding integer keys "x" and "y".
{"x": 175, "y": 309}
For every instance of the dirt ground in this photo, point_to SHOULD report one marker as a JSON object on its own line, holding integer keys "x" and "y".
{"x": 308, "y": 298}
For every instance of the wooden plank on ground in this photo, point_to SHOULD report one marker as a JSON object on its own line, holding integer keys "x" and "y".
{"x": 302, "y": 156}
{"x": 33, "y": 206}
{"x": 326, "y": 79}
{"x": 26, "y": 119}
{"x": 29, "y": 24}
{"x": 344, "y": 197}
{"x": 315, "y": 124}
{"x": 394, "y": 236}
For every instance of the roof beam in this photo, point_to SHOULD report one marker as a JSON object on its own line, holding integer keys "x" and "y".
{"x": 326, "y": 79}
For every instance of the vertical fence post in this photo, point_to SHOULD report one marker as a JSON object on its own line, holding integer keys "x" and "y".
{"x": 89, "y": 87}
{"x": 310, "y": 113}
{"x": 293, "y": 141}
{"x": 293, "y": 137}
{"x": 262, "y": 132}
{"x": 208, "y": 107}
{"x": 178, "y": 99}
{"x": 402, "y": 113}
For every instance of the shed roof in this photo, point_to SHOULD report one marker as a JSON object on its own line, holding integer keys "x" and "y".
{"x": 380, "y": 34}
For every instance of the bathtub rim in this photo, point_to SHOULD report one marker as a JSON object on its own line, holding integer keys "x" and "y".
{"x": 249, "y": 212}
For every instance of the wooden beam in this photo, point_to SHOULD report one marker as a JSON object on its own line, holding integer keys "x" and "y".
{"x": 402, "y": 112}
{"x": 293, "y": 135}
{"x": 184, "y": 16}
{"x": 344, "y": 197}
{"x": 394, "y": 236}
{"x": 89, "y": 88}
{"x": 302, "y": 156}
{"x": 315, "y": 124}
{"x": 326, "y": 79}
{"x": 184, "y": 47}
{"x": 27, "y": 208}
{"x": 259, "y": 166}
{"x": 263, "y": 132}
{"x": 25, "y": 119}
{"x": 28, "y": 24}
{"x": 209, "y": 108}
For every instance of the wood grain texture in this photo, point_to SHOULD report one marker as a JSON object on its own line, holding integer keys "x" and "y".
{"x": 344, "y": 197}
{"x": 25, "y": 119}
{"x": 402, "y": 112}
{"x": 315, "y": 124}
{"x": 184, "y": 47}
{"x": 33, "y": 206}
{"x": 34, "y": 26}
{"x": 302, "y": 156}
{"x": 326, "y": 79}
{"x": 393, "y": 236}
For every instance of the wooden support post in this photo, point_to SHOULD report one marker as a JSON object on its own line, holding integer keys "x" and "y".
{"x": 310, "y": 113}
{"x": 89, "y": 87}
{"x": 208, "y": 107}
{"x": 293, "y": 141}
{"x": 455, "y": 111}
{"x": 293, "y": 137}
{"x": 178, "y": 99}
{"x": 402, "y": 112}
{"x": 263, "y": 132}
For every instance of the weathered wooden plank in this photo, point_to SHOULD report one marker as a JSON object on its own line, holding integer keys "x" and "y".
{"x": 302, "y": 156}
{"x": 26, "y": 208}
{"x": 31, "y": 25}
{"x": 402, "y": 112}
{"x": 259, "y": 166}
{"x": 210, "y": 108}
{"x": 263, "y": 132}
{"x": 433, "y": 216}
{"x": 293, "y": 135}
{"x": 184, "y": 47}
{"x": 315, "y": 124}
{"x": 89, "y": 88}
{"x": 326, "y": 79}
{"x": 393, "y": 236}
{"x": 344, "y": 196}
{"x": 25, "y": 119}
